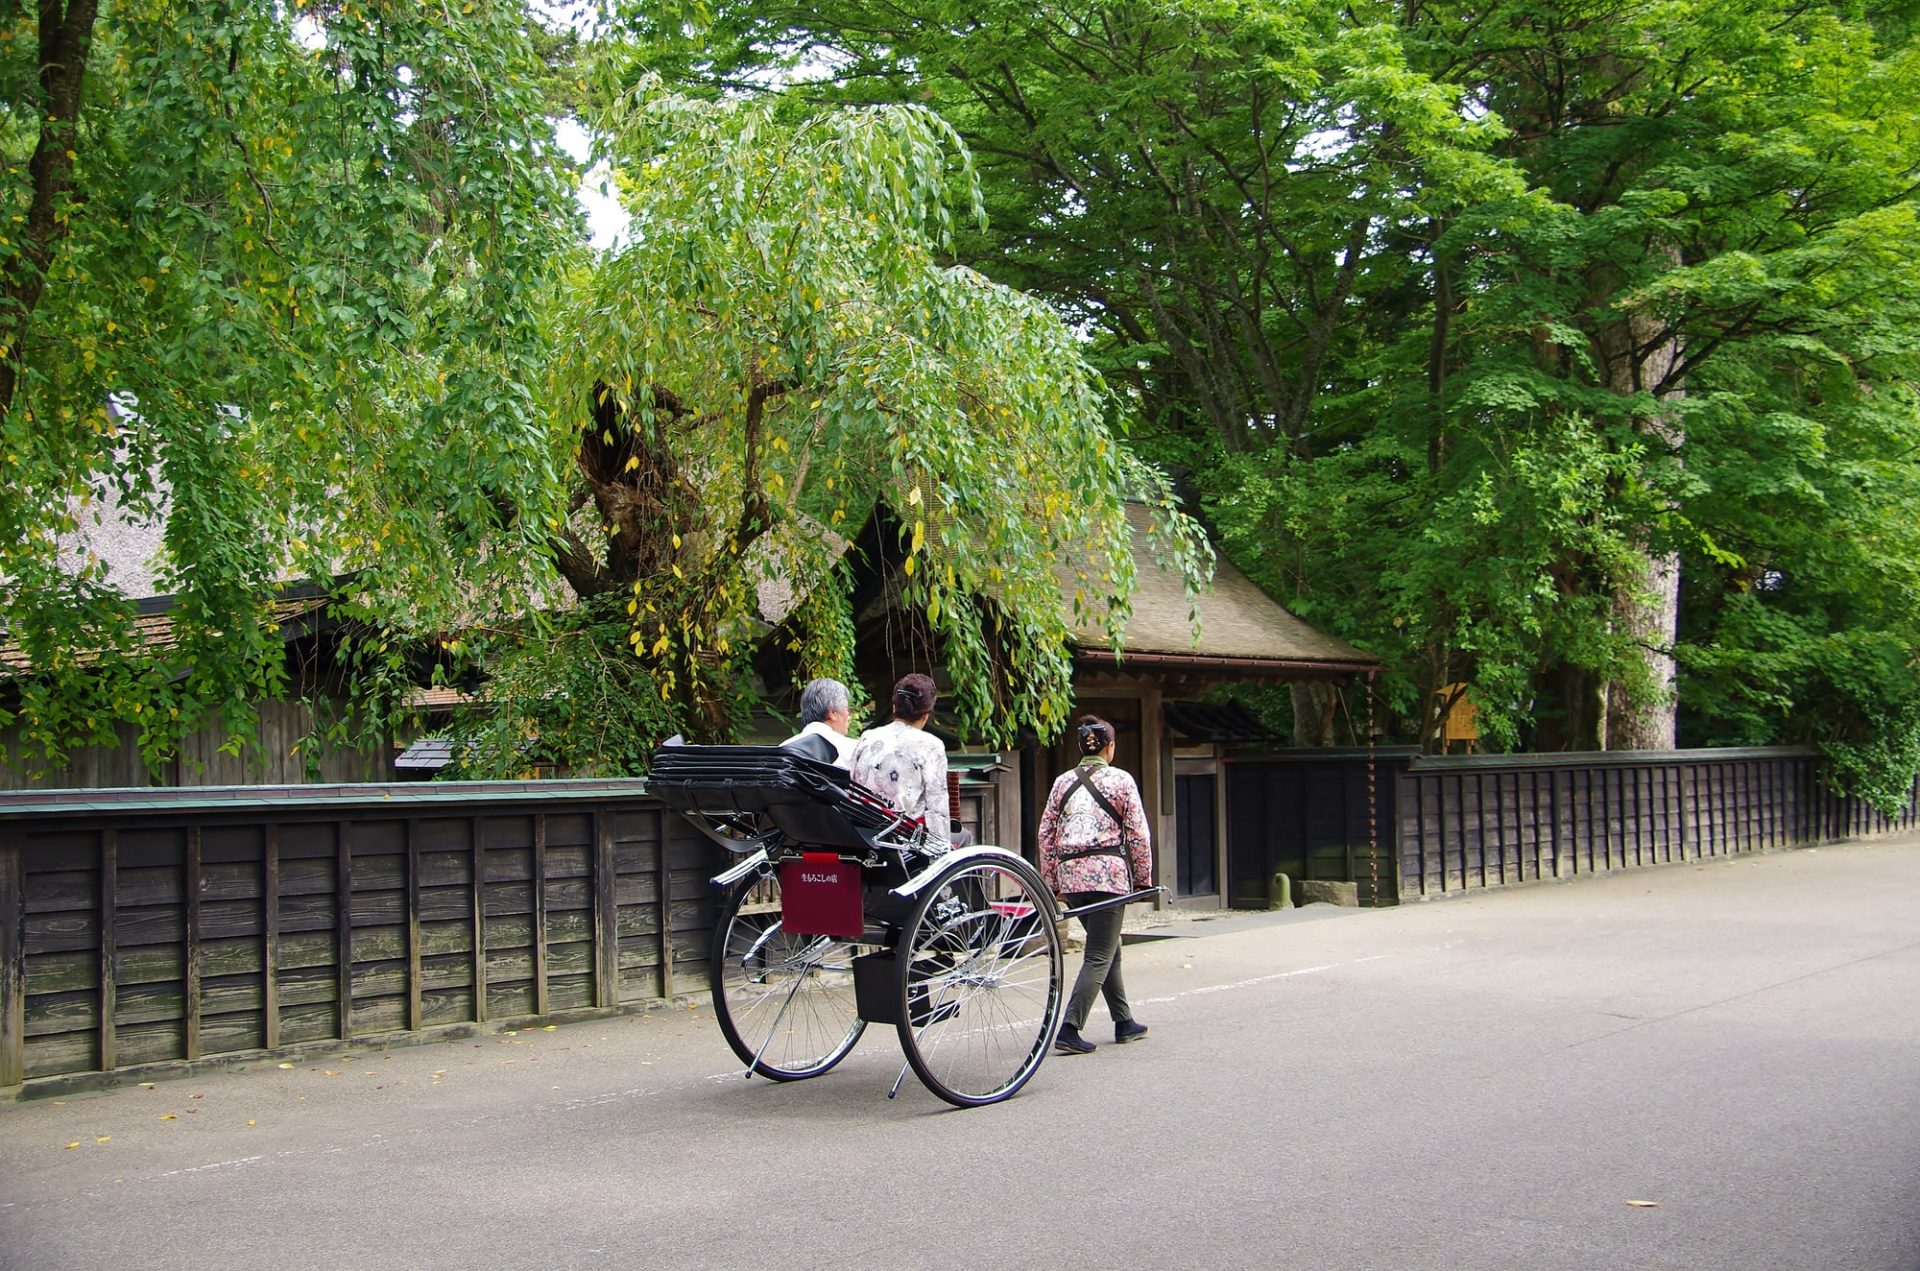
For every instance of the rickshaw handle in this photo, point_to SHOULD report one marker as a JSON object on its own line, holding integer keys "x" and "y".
{"x": 1081, "y": 911}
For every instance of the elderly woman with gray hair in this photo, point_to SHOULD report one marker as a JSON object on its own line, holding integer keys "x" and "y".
{"x": 825, "y": 711}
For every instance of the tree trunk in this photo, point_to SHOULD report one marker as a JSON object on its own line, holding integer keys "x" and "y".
{"x": 1646, "y": 605}
{"x": 66, "y": 41}
{"x": 1314, "y": 702}
{"x": 1647, "y": 608}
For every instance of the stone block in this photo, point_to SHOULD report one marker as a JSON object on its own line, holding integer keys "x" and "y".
{"x": 1326, "y": 891}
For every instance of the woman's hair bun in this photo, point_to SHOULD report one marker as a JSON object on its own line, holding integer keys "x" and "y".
{"x": 1093, "y": 733}
{"x": 913, "y": 696}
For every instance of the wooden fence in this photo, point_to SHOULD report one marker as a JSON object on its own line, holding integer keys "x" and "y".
{"x": 143, "y": 927}
{"x": 156, "y": 926}
{"x": 1407, "y": 826}
{"x": 1470, "y": 822}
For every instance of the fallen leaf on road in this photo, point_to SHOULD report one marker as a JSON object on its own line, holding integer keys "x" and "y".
{"x": 1644, "y": 1204}
{"x": 146, "y": 1085}
{"x": 286, "y": 1065}
{"x": 168, "y": 1116}
{"x": 105, "y": 1138}
{"x": 249, "y": 1120}
{"x": 550, "y": 1028}
{"x": 328, "y": 1072}
{"x": 72, "y": 1145}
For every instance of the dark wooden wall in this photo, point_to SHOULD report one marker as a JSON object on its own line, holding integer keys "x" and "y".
{"x": 1442, "y": 825}
{"x": 283, "y": 728}
{"x": 1470, "y": 822}
{"x": 150, "y": 926}
{"x": 1312, "y": 814}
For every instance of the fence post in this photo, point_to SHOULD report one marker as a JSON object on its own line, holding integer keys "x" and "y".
{"x": 343, "y": 923}
{"x": 190, "y": 985}
{"x": 541, "y": 1002}
{"x": 270, "y": 935}
{"x": 1553, "y": 813}
{"x": 109, "y": 948}
{"x": 606, "y": 913}
{"x": 664, "y": 877}
{"x": 13, "y": 964}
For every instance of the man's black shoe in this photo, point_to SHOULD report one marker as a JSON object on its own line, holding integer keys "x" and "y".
{"x": 1129, "y": 1030}
{"x": 1069, "y": 1041}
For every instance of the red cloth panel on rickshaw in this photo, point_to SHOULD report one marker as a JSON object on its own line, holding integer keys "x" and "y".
{"x": 820, "y": 896}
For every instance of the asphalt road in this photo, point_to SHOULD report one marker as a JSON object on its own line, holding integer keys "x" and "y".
{"x": 1484, "y": 1083}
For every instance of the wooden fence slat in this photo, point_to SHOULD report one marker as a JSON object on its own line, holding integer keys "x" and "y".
{"x": 1542, "y": 841}
{"x": 1709, "y": 809}
{"x": 1682, "y": 843}
{"x": 416, "y": 1011}
{"x": 477, "y": 834}
{"x": 13, "y": 963}
{"x": 109, "y": 947}
{"x": 343, "y": 926}
{"x": 1595, "y": 807}
{"x": 540, "y": 999}
{"x": 270, "y": 935}
{"x": 1751, "y": 819}
{"x": 1480, "y": 829}
{"x": 1420, "y": 820}
{"x": 1643, "y": 850}
{"x": 1715, "y": 809}
{"x": 666, "y": 904}
{"x": 1659, "y": 803}
{"x": 1728, "y": 820}
{"x": 1769, "y": 795}
{"x": 1581, "y": 820}
{"x": 606, "y": 913}
{"x": 191, "y": 989}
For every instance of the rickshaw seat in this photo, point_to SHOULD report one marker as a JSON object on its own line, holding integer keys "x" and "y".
{"x": 814, "y": 804}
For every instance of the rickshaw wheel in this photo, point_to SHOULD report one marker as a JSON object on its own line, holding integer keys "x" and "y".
{"x": 786, "y": 998}
{"x": 979, "y": 981}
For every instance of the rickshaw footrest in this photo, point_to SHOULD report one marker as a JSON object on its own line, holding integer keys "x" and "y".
{"x": 876, "y": 987}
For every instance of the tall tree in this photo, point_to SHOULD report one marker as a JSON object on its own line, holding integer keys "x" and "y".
{"x": 308, "y": 287}
{"x": 776, "y": 355}
{"x": 1201, "y": 187}
{"x": 269, "y": 274}
{"x": 1726, "y": 185}
{"x": 1467, "y": 296}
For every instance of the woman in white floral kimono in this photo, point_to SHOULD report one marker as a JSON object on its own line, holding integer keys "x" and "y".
{"x": 902, "y": 762}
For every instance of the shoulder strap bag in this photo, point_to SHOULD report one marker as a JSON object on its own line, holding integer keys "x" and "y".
{"x": 1083, "y": 778}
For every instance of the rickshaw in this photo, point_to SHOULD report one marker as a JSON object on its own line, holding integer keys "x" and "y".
{"x": 841, "y": 911}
